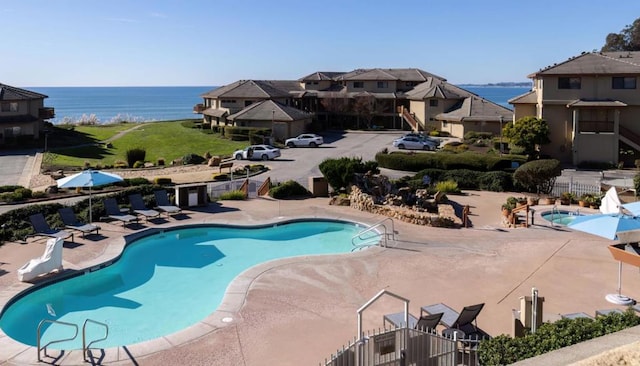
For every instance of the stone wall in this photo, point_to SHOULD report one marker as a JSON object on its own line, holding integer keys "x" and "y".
{"x": 446, "y": 215}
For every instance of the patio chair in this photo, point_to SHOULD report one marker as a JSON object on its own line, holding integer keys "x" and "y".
{"x": 43, "y": 229}
{"x": 113, "y": 212}
{"x": 50, "y": 260}
{"x": 426, "y": 323}
{"x": 138, "y": 206}
{"x": 71, "y": 222}
{"x": 465, "y": 320}
{"x": 163, "y": 204}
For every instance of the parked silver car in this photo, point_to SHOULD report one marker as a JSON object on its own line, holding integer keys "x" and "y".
{"x": 415, "y": 143}
{"x": 306, "y": 139}
{"x": 257, "y": 152}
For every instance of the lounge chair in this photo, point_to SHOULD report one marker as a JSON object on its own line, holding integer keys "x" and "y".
{"x": 113, "y": 212}
{"x": 163, "y": 204}
{"x": 43, "y": 229}
{"x": 427, "y": 322}
{"x": 71, "y": 222}
{"x": 464, "y": 321}
{"x": 50, "y": 260}
{"x": 138, "y": 206}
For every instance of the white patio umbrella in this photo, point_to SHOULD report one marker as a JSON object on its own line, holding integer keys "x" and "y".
{"x": 88, "y": 178}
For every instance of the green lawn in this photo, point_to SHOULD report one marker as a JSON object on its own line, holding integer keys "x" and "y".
{"x": 168, "y": 140}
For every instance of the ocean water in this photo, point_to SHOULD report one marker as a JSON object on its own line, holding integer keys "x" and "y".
{"x": 115, "y": 104}
{"x": 140, "y": 104}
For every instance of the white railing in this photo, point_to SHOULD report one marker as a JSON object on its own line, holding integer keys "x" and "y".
{"x": 359, "y": 241}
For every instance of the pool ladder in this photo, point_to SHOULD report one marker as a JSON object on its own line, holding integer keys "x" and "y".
{"x": 360, "y": 242}
{"x": 85, "y": 347}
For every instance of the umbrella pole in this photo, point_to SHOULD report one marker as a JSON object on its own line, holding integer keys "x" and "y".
{"x": 620, "y": 278}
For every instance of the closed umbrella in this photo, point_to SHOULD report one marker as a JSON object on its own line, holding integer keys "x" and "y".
{"x": 88, "y": 178}
{"x": 610, "y": 226}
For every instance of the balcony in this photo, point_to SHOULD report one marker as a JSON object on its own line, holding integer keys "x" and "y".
{"x": 199, "y": 108}
{"x": 46, "y": 113}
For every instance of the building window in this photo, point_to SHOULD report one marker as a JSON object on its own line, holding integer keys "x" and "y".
{"x": 433, "y": 102}
{"x": 358, "y": 84}
{"x": 228, "y": 101}
{"x": 9, "y": 107}
{"x": 247, "y": 103}
{"x": 411, "y": 83}
{"x": 569, "y": 83}
{"x": 383, "y": 84}
{"x": 623, "y": 82}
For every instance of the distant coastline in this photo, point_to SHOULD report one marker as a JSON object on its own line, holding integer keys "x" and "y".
{"x": 504, "y": 84}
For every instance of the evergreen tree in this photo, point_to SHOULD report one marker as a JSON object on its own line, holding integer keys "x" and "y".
{"x": 627, "y": 40}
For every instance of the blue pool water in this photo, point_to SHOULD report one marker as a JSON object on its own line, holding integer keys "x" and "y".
{"x": 165, "y": 282}
{"x": 560, "y": 217}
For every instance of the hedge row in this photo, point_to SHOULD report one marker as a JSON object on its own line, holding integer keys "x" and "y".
{"x": 504, "y": 350}
{"x": 17, "y": 224}
{"x": 414, "y": 162}
{"x": 496, "y": 181}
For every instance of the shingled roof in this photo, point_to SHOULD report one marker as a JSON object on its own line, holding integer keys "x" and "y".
{"x": 9, "y": 93}
{"x": 475, "y": 108}
{"x": 595, "y": 63}
{"x": 436, "y": 88}
{"x": 251, "y": 89}
{"x": 267, "y": 110}
{"x": 321, "y": 75}
{"x": 389, "y": 74}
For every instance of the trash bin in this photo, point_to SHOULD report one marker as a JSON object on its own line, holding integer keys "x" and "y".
{"x": 318, "y": 187}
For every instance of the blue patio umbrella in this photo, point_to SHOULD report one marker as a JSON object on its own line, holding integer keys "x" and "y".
{"x": 611, "y": 226}
{"x": 88, "y": 178}
{"x": 605, "y": 225}
{"x": 633, "y": 207}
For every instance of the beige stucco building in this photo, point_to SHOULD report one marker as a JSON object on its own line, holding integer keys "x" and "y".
{"x": 22, "y": 113}
{"x": 409, "y": 98}
{"x": 592, "y": 106}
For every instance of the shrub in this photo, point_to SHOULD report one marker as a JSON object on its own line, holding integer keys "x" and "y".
{"x": 503, "y": 350}
{"x": 636, "y": 184}
{"x": 162, "y": 180}
{"x": 23, "y": 192}
{"x": 135, "y": 154}
{"x": 288, "y": 189}
{"x": 596, "y": 165}
{"x": 496, "y": 181}
{"x": 464, "y": 178}
{"x": 160, "y": 162}
{"x": 38, "y": 194}
{"x": 9, "y": 188}
{"x": 192, "y": 159}
{"x": 220, "y": 177}
{"x": 10, "y": 197}
{"x": 448, "y": 186}
{"x": 236, "y": 195}
{"x": 139, "y": 181}
{"x": 119, "y": 164}
{"x": 538, "y": 176}
{"x": 138, "y": 164}
{"x": 340, "y": 173}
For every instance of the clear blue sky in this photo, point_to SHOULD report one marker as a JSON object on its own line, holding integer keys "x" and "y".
{"x": 216, "y": 42}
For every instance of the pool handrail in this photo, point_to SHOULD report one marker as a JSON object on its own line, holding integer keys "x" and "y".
{"x": 385, "y": 235}
{"x": 85, "y": 346}
{"x": 42, "y": 322}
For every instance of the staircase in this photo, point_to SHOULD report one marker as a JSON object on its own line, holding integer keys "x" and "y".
{"x": 630, "y": 138}
{"x": 409, "y": 118}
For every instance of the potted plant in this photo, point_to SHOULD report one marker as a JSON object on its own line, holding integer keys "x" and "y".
{"x": 509, "y": 206}
{"x": 532, "y": 201}
{"x": 586, "y": 200}
{"x": 521, "y": 201}
{"x": 548, "y": 200}
{"x": 566, "y": 198}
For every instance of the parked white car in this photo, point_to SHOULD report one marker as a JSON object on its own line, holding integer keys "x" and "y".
{"x": 306, "y": 139}
{"x": 415, "y": 143}
{"x": 257, "y": 152}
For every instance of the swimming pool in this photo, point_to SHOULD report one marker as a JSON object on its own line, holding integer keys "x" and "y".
{"x": 165, "y": 282}
{"x": 560, "y": 217}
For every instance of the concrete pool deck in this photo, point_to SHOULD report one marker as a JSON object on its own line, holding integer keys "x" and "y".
{"x": 299, "y": 311}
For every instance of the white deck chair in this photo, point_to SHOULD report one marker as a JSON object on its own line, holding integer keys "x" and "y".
{"x": 51, "y": 260}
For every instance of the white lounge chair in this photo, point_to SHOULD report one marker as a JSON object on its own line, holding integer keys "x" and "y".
{"x": 51, "y": 260}
{"x": 138, "y": 206}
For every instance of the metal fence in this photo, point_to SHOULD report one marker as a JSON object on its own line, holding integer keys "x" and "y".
{"x": 217, "y": 189}
{"x": 405, "y": 347}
